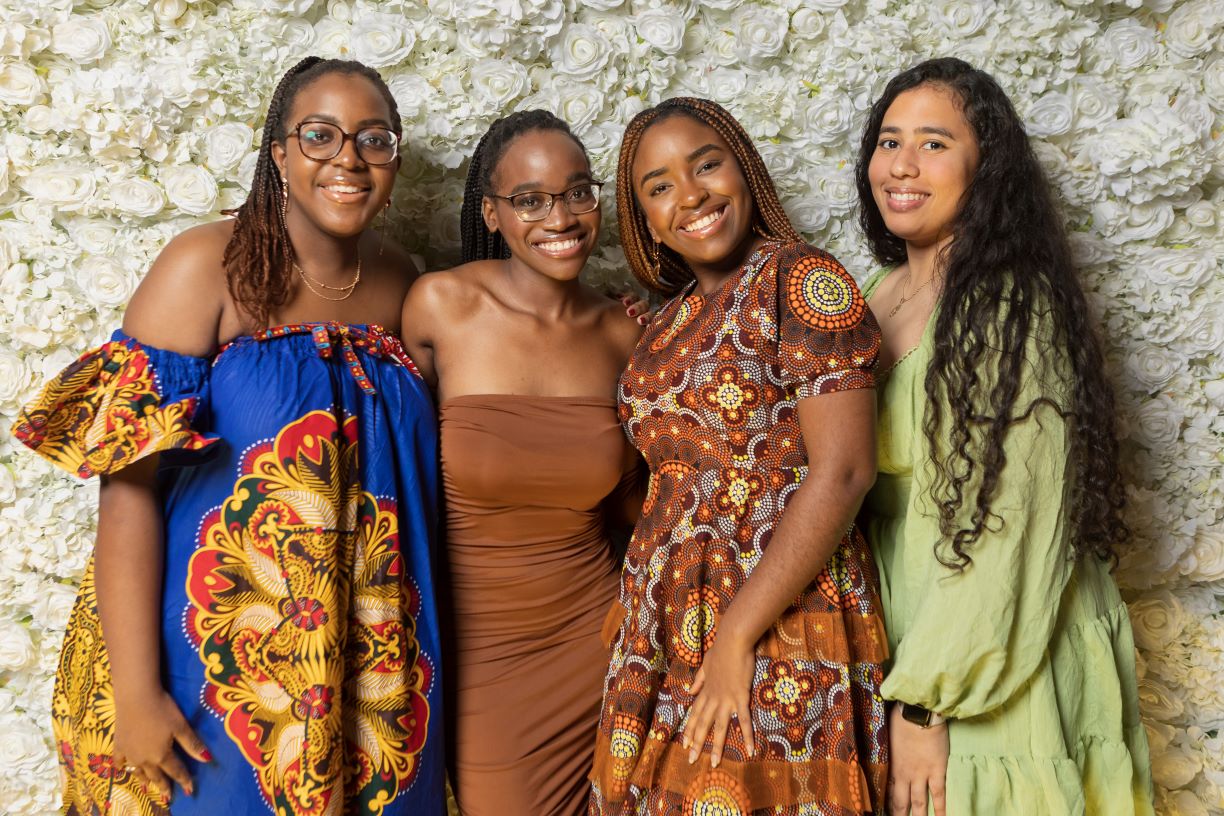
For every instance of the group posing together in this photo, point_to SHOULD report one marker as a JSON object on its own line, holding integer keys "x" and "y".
{"x": 871, "y": 531}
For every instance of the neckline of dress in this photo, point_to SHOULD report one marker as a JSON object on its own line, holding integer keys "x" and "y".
{"x": 547, "y": 398}
{"x": 755, "y": 259}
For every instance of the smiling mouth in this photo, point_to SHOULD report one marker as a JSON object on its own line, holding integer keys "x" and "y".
{"x": 347, "y": 189}
{"x": 907, "y": 197}
{"x": 704, "y": 221}
{"x": 559, "y": 247}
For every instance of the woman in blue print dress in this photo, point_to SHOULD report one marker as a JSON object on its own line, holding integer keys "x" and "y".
{"x": 268, "y": 453}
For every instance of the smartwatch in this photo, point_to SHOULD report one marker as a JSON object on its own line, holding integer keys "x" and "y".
{"x": 921, "y": 717}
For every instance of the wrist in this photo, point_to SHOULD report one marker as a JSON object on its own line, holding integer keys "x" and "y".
{"x": 919, "y": 716}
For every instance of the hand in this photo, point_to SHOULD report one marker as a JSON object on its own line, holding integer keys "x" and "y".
{"x": 145, "y": 734}
{"x": 636, "y": 307}
{"x": 919, "y": 763}
{"x": 721, "y": 688}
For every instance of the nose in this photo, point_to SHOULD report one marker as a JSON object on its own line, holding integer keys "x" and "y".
{"x": 348, "y": 157}
{"x": 904, "y": 163}
{"x": 691, "y": 193}
{"x": 559, "y": 218}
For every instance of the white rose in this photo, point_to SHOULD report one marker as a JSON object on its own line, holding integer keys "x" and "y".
{"x": 38, "y": 119}
{"x": 578, "y": 103}
{"x": 1213, "y": 81}
{"x": 93, "y": 234}
{"x": 1122, "y": 223}
{"x": 167, "y": 12}
{"x": 226, "y": 145}
{"x": 246, "y": 169}
{"x": 1153, "y": 366}
{"x": 1181, "y": 268}
{"x": 1175, "y": 768}
{"x": 1187, "y": 803}
{"x": 15, "y": 380}
{"x": 22, "y": 750}
{"x": 809, "y": 21}
{"x": 809, "y": 215}
{"x": 16, "y": 648}
{"x": 661, "y": 28}
{"x": 1190, "y": 29}
{"x": 1203, "y": 334}
{"x": 1130, "y": 44}
{"x": 1158, "y": 421}
{"x": 582, "y": 53}
{"x": 1158, "y": 701}
{"x": 498, "y": 82}
{"x": 761, "y": 32}
{"x": 83, "y": 38}
{"x": 332, "y": 37}
{"x": 964, "y": 18}
{"x": 137, "y": 196}
{"x": 68, "y": 187}
{"x": 1205, "y": 561}
{"x": 53, "y": 605}
{"x": 1094, "y": 101}
{"x": 727, "y": 85}
{"x": 105, "y": 281}
{"x": 381, "y": 39}
{"x": 1090, "y": 250}
{"x": 1050, "y": 115}
{"x": 19, "y": 84}
{"x": 295, "y": 8}
{"x": 829, "y": 117}
{"x": 190, "y": 188}
{"x": 1157, "y": 620}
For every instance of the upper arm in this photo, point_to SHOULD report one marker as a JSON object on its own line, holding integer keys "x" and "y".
{"x": 179, "y": 304}
{"x": 839, "y": 435}
{"x": 419, "y": 321}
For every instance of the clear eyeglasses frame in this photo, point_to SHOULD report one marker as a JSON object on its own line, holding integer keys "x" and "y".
{"x": 323, "y": 141}
{"x": 535, "y": 205}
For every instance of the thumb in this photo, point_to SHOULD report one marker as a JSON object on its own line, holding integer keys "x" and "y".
{"x": 191, "y": 743}
{"x": 698, "y": 682}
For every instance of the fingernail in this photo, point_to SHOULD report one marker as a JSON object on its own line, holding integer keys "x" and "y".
{"x": 206, "y": 755}
{"x": 692, "y": 757}
{"x": 642, "y": 320}
{"x": 190, "y": 789}
{"x": 632, "y": 312}
{"x": 714, "y": 761}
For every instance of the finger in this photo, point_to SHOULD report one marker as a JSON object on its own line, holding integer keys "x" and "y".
{"x": 939, "y": 797}
{"x": 191, "y": 743}
{"x": 631, "y": 311}
{"x": 159, "y": 785}
{"x": 722, "y": 724}
{"x": 641, "y": 305}
{"x": 745, "y": 723}
{"x": 644, "y": 319}
{"x": 898, "y": 797}
{"x": 173, "y": 767}
{"x": 626, "y": 298}
{"x": 694, "y": 688}
{"x": 918, "y": 797}
{"x": 699, "y": 729}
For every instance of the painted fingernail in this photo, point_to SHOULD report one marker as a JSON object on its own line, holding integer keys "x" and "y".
{"x": 206, "y": 755}
{"x": 632, "y": 311}
{"x": 642, "y": 320}
{"x": 190, "y": 789}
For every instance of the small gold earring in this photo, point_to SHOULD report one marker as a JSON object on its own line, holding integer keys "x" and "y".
{"x": 382, "y": 232}
{"x": 656, "y": 268}
{"x": 284, "y": 202}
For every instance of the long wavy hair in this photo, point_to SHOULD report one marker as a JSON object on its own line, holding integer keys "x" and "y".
{"x": 660, "y": 269}
{"x": 258, "y": 258}
{"x": 1007, "y": 267}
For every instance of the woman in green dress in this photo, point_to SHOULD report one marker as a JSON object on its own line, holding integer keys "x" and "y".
{"x": 998, "y": 502}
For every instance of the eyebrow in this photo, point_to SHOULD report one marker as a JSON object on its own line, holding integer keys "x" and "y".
{"x": 938, "y": 131}
{"x": 331, "y": 120}
{"x": 696, "y": 154}
{"x": 534, "y": 186}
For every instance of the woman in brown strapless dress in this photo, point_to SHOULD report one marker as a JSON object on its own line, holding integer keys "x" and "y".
{"x": 535, "y": 467}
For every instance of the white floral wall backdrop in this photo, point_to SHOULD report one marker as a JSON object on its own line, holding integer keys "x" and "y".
{"x": 122, "y": 123}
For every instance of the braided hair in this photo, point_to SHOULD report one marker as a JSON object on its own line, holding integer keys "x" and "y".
{"x": 479, "y": 243}
{"x": 672, "y": 273}
{"x": 258, "y": 258}
{"x": 1007, "y": 268}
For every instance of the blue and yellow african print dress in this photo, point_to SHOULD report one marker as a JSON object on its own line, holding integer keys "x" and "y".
{"x": 299, "y": 482}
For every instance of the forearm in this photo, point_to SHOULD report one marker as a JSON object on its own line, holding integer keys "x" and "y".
{"x": 810, "y": 530}
{"x": 128, "y": 558}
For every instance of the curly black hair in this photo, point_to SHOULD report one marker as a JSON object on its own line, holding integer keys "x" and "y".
{"x": 1007, "y": 269}
{"x": 479, "y": 243}
{"x": 258, "y": 257}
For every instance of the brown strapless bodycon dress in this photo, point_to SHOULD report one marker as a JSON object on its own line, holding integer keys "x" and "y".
{"x": 527, "y": 480}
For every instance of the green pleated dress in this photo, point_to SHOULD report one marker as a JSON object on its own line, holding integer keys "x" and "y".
{"x": 1030, "y": 653}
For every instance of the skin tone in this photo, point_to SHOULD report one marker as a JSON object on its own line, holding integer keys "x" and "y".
{"x": 924, "y": 160}
{"x": 183, "y": 305}
{"x": 684, "y": 173}
{"x": 525, "y": 325}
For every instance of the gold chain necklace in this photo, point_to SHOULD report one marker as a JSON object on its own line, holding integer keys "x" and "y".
{"x": 907, "y": 298}
{"x": 347, "y": 289}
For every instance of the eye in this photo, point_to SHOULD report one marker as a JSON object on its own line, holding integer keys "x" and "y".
{"x": 888, "y": 144}
{"x": 527, "y": 201}
{"x": 712, "y": 164}
{"x": 932, "y": 144}
{"x": 661, "y": 187}
{"x": 579, "y": 194}
{"x": 317, "y": 135}
{"x": 377, "y": 138}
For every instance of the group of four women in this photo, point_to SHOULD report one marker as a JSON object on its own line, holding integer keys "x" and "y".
{"x": 267, "y": 623}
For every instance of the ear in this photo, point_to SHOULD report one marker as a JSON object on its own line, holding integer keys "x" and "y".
{"x": 278, "y": 157}
{"x": 489, "y": 211}
{"x": 654, "y": 236}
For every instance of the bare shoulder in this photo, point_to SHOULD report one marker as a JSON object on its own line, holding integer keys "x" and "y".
{"x": 449, "y": 292}
{"x": 180, "y": 303}
{"x": 621, "y": 330}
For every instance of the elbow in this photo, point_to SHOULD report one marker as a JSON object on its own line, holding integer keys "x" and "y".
{"x": 849, "y": 480}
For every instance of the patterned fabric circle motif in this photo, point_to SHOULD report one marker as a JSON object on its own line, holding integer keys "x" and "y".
{"x": 823, "y": 296}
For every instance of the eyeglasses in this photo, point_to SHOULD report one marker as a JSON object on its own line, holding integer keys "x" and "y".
{"x": 535, "y": 205}
{"x": 323, "y": 141}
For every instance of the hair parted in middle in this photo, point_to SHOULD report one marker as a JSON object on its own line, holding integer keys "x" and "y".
{"x": 673, "y": 274}
{"x": 479, "y": 243}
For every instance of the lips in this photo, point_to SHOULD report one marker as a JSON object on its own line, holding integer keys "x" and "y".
{"x": 559, "y": 247}
{"x": 703, "y": 224}
{"x": 905, "y": 200}
{"x": 345, "y": 191}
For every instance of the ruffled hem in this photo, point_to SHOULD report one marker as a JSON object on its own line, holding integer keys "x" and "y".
{"x": 1100, "y": 781}
{"x": 116, "y": 405}
{"x": 753, "y": 785}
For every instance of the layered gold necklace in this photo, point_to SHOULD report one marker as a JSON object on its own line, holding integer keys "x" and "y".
{"x": 347, "y": 289}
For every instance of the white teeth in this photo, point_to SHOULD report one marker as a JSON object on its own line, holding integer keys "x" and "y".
{"x": 907, "y": 196}
{"x": 558, "y": 246}
{"x": 343, "y": 188}
{"x": 703, "y": 222}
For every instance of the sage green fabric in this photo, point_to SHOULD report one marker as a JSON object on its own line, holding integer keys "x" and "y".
{"x": 1029, "y": 652}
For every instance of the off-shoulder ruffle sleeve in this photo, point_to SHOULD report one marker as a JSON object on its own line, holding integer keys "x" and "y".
{"x": 116, "y": 404}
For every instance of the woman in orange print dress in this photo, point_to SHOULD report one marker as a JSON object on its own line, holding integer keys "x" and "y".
{"x": 745, "y": 672}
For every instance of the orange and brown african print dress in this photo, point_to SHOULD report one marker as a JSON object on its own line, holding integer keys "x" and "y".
{"x": 709, "y": 398}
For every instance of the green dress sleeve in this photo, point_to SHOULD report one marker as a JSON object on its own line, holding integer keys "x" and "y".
{"x": 976, "y": 636}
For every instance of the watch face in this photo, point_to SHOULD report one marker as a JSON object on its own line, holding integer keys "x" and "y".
{"x": 916, "y": 714}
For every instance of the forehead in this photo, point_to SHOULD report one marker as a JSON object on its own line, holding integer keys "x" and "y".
{"x": 347, "y": 98}
{"x": 926, "y": 105}
{"x": 673, "y": 139}
{"x": 542, "y": 156}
